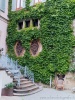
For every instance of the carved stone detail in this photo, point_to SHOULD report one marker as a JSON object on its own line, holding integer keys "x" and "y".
{"x": 19, "y": 50}
{"x": 35, "y": 47}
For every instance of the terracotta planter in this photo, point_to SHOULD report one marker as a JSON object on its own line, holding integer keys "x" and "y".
{"x": 7, "y": 92}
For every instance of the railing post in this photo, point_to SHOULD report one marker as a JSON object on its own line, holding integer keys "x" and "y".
{"x": 11, "y": 62}
{"x": 19, "y": 82}
{"x": 50, "y": 81}
{"x": 16, "y": 64}
{"x": 25, "y": 71}
{"x": 19, "y": 78}
{"x": 6, "y": 62}
{"x": 33, "y": 78}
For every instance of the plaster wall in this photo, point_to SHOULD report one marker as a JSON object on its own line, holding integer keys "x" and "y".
{"x": 3, "y": 28}
{"x": 69, "y": 80}
{"x": 5, "y": 78}
{"x": 3, "y": 34}
{"x": 0, "y": 83}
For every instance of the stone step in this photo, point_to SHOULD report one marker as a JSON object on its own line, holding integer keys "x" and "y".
{"x": 21, "y": 79}
{"x": 26, "y": 90}
{"x": 25, "y": 86}
{"x": 29, "y": 93}
{"x": 10, "y": 74}
{"x": 7, "y": 70}
{"x": 2, "y": 68}
{"x": 25, "y": 82}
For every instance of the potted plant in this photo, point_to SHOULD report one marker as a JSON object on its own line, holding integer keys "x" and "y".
{"x": 8, "y": 90}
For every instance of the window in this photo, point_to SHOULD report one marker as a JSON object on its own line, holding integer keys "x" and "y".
{"x": 35, "y": 47}
{"x": 27, "y": 23}
{"x": 19, "y": 50}
{"x": 33, "y": 2}
{"x": 18, "y": 4}
{"x": 20, "y": 25}
{"x": 35, "y": 22}
{"x": 36, "y": 1}
{"x": 2, "y": 5}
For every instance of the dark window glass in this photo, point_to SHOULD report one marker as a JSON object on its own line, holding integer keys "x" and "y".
{"x": 35, "y": 22}
{"x": 34, "y": 47}
{"x": 20, "y": 25}
{"x": 27, "y": 22}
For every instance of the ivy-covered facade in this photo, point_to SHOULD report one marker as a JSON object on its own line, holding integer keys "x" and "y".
{"x": 55, "y": 33}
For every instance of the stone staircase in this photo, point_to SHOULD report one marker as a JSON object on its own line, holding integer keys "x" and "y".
{"x": 27, "y": 87}
{"x": 24, "y": 83}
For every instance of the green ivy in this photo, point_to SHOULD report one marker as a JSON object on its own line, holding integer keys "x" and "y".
{"x": 55, "y": 34}
{"x": 27, "y": 4}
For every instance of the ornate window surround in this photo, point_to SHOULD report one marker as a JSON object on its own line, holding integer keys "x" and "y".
{"x": 35, "y": 47}
{"x": 19, "y": 51}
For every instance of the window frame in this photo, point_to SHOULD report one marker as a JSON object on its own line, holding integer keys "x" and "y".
{"x": 20, "y": 25}
{"x": 18, "y": 6}
{"x": 2, "y": 5}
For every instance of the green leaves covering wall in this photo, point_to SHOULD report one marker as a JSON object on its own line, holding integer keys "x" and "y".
{"x": 55, "y": 34}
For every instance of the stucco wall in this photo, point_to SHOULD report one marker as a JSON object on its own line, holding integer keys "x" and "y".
{"x": 3, "y": 34}
{"x": 5, "y": 78}
{"x": 69, "y": 80}
{"x": 3, "y": 27}
{"x": 0, "y": 83}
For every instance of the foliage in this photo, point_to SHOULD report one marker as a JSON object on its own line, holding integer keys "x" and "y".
{"x": 27, "y": 4}
{"x": 10, "y": 85}
{"x": 55, "y": 34}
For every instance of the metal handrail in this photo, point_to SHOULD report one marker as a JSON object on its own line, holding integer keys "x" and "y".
{"x": 11, "y": 66}
{"x": 15, "y": 69}
{"x": 29, "y": 74}
{"x": 26, "y": 72}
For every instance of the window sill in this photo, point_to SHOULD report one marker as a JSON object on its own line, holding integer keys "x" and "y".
{"x": 28, "y": 28}
{"x": 19, "y": 8}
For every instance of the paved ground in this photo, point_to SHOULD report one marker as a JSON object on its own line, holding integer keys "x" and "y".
{"x": 45, "y": 94}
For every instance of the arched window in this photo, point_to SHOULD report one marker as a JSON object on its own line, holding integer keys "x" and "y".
{"x": 19, "y": 50}
{"x": 35, "y": 47}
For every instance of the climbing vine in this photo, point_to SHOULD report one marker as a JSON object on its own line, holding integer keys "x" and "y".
{"x": 27, "y": 4}
{"x": 55, "y": 35}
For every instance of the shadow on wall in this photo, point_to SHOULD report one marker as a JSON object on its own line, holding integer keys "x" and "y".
{"x": 0, "y": 83}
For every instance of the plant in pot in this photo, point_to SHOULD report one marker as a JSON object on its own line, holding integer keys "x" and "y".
{"x": 8, "y": 90}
